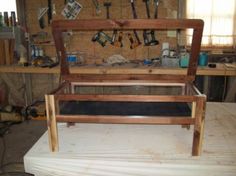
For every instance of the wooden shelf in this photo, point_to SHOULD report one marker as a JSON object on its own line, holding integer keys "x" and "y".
{"x": 220, "y": 70}
{"x": 44, "y": 44}
{"x": 6, "y": 33}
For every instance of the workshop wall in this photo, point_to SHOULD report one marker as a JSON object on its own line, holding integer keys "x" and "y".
{"x": 120, "y": 9}
{"x": 42, "y": 84}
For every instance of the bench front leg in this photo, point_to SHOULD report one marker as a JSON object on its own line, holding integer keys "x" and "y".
{"x": 51, "y": 122}
{"x": 199, "y": 126}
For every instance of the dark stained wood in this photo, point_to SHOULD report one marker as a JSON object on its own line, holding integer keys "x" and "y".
{"x": 126, "y": 83}
{"x": 117, "y": 77}
{"x": 190, "y": 94}
{"x": 61, "y": 52}
{"x": 195, "y": 49}
{"x": 126, "y": 24}
{"x": 61, "y": 88}
{"x": 125, "y": 119}
{"x": 127, "y": 98}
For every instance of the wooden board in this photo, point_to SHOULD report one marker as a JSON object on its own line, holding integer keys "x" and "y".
{"x": 2, "y": 53}
{"x": 220, "y": 70}
{"x": 6, "y": 51}
{"x": 117, "y": 150}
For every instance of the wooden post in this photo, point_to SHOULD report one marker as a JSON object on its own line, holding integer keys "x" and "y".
{"x": 193, "y": 113}
{"x": 199, "y": 125}
{"x": 51, "y": 122}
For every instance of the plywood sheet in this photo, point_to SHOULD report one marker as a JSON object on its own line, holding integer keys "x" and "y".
{"x": 115, "y": 150}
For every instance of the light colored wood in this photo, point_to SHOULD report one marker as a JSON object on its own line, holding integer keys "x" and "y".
{"x": 139, "y": 150}
{"x": 51, "y": 122}
{"x": 193, "y": 114}
{"x": 220, "y": 70}
{"x": 199, "y": 126}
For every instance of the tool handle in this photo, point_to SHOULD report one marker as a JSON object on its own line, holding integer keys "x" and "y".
{"x": 137, "y": 37}
{"x": 108, "y": 14}
{"x": 133, "y": 9}
{"x": 147, "y": 8}
{"x": 156, "y": 9}
{"x": 97, "y": 7}
{"x": 107, "y": 5}
{"x": 49, "y": 11}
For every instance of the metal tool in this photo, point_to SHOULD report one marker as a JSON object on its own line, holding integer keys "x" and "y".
{"x": 133, "y": 43}
{"x": 49, "y": 11}
{"x": 107, "y": 5}
{"x": 149, "y": 35}
{"x": 41, "y": 13}
{"x": 117, "y": 41}
{"x": 97, "y": 7}
{"x": 135, "y": 40}
{"x": 156, "y": 3}
{"x": 102, "y": 37}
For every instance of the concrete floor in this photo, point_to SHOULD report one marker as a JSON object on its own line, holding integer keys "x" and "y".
{"x": 19, "y": 140}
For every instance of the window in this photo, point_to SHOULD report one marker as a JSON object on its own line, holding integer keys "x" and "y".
{"x": 8, "y": 6}
{"x": 219, "y": 18}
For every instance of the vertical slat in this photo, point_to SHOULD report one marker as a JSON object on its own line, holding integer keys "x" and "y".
{"x": 184, "y": 90}
{"x": 2, "y": 53}
{"x": 193, "y": 114}
{"x": 7, "y": 54}
{"x": 199, "y": 126}
{"x": 51, "y": 122}
{"x": 11, "y": 50}
{"x": 72, "y": 88}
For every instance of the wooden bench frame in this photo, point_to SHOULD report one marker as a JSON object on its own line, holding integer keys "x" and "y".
{"x": 65, "y": 92}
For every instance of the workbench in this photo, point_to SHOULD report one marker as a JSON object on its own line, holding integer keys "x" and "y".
{"x": 220, "y": 70}
{"x": 112, "y": 149}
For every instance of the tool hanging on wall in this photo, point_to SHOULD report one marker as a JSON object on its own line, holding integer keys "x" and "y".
{"x": 149, "y": 35}
{"x": 101, "y": 37}
{"x": 41, "y": 14}
{"x": 71, "y": 9}
{"x": 135, "y": 40}
{"x": 97, "y": 7}
{"x": 49, "y": 11}
{"x": 117, "y": 38}
{"x": 107, "y": 5}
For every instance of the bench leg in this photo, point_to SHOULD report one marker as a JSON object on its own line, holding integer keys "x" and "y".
{"x": 51, "y": 122}
{"x": 199, "y": 126}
